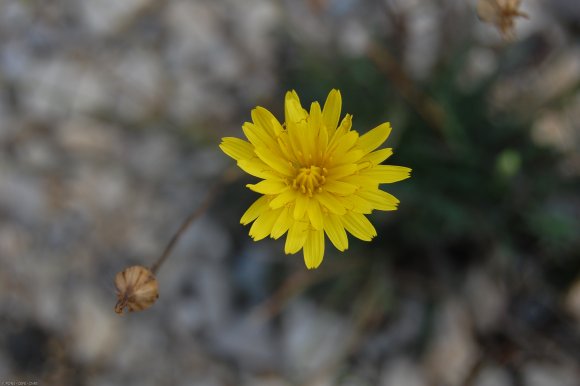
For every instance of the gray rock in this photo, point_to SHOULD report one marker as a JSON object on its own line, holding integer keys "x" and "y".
{"x": 313, "y": 338}
{"x": 452, "y": 351}
{"x": 493, "y": 376}
{"x": 22, "y": 195}
{"x": 539, "y": 374}
{"x": 402, "y": 372}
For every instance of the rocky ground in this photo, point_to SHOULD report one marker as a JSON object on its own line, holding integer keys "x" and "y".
{"x": 110, "y": 113}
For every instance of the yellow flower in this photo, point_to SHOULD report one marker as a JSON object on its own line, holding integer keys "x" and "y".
{"x": 318, "y": 176}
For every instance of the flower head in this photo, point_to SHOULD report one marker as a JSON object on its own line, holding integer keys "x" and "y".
{"x": 318, "y": 176}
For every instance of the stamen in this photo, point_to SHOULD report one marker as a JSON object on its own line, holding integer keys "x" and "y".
{"x": 309, "y": 179}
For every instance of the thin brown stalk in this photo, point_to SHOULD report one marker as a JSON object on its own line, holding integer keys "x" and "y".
{"x": 228, "y": 176}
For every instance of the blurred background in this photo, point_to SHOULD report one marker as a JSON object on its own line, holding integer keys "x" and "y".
{"x": 110, "y": 116}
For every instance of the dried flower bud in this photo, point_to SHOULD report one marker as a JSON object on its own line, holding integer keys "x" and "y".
{"x": 501, "y": 13}
{"x": 137, "y": 289}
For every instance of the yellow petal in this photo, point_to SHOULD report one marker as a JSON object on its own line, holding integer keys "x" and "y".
{"x": 257, "y": 208}
{"x": 335, "y": 231}
{"x": 284, "y": 145}
{"x": 374, "y": 138}
{"x": 322, "y": 142}
{"x": 268, "y": 186}
{"x": 237, "y": 148}
{"x": 360, "y": 205}
{"x": 345, "y": 125}
{"x": 363, "y": 181}
{"x": 386, "y": 174}
{"x": 340, "y": 188}
{"x": 265, "y": 119}
{"x": 329, "y": 201}
{"x": 338, "y": 172}
{"x": 345, "y": 143}
{"x": 315, "y": 214}
{"x": 283, "y": 198}
{"x": 296, "y": 237}
{"x": 337, "y": 135}
{"x": 331, "y": 111}
{"x": 262, "y": 227}
{"x": 314, "y": 248}
{"x": 279, "y": 164}
{"x": 298, "y": 140}
{"x": 359, "y": 226}
{"x": 315, "y": 117}
{"x": 350, "y": 157}
{"x": 379, "y": 199}
{"x": 376, "y": 157}
{"x": 282, "y": 224}
{"x": 293, "y": 108}
{"x": 257, "y": 168}
{"x": 258, "y": 136}
{"x": 300, "y": 206}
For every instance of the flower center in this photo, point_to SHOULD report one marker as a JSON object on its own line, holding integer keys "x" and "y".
{"x": 310, "y": 180}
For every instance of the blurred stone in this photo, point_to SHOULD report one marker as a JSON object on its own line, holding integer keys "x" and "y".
{"x": 540, "y": 374}
{"x": 354, "y": 38}
{"x": 5, "y": 368}
{"x": 313, "y": 338}
{"x": 96, "y": 330}
{"x": 194, "y": 29}
{"x": 404, "y": 329}
{"x": 22, "y": 196}
{"x": 142, "y": 347}
{"x": 215, "y": 294}
{"x": 205, "y": 240}
{"x": 424, "y": 41}
{"x": 256, "y": 24}
{"x": 308, "y": 26}
{"x": 139, "y": 83}
{"x": 83, "y": 136}
{"x": 152, "y": 156}
{"x": 573, "y": 300}
{"x": 188, "y": 315}
{"x": 59, "y": 86}
{"x": 107, "y": 16}
{"x": 38, "y": 154}
{"x": 486, "y": 299}
{"x": 402, "y": 372}
{"x": 557, "y": 128}
{"x": 14, "y": 14}
{"x": 188, "y": 99}
{"x": 493, "y": 376}
{"x": 250, "y": 341}
{"x": 266, "y": 380}
{"x": 15, "y": 60}
{"x": 208, "y": 163}
{"x": 98, "y": 190}
{"x": 14, "y": 241}
{"x": 452, "y": 352}
{"x": 559, "y": 77}
{"x": 481, "y": 64}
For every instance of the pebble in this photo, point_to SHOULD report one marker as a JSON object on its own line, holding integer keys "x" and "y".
{"x": 402, "y": 372}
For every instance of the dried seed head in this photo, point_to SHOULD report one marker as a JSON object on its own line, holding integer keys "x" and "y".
{"x": 137, "y": 289}
{"x": 501, "y": 13}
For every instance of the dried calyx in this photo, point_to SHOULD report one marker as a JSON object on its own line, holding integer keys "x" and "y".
{"x": 137, "y": 289}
